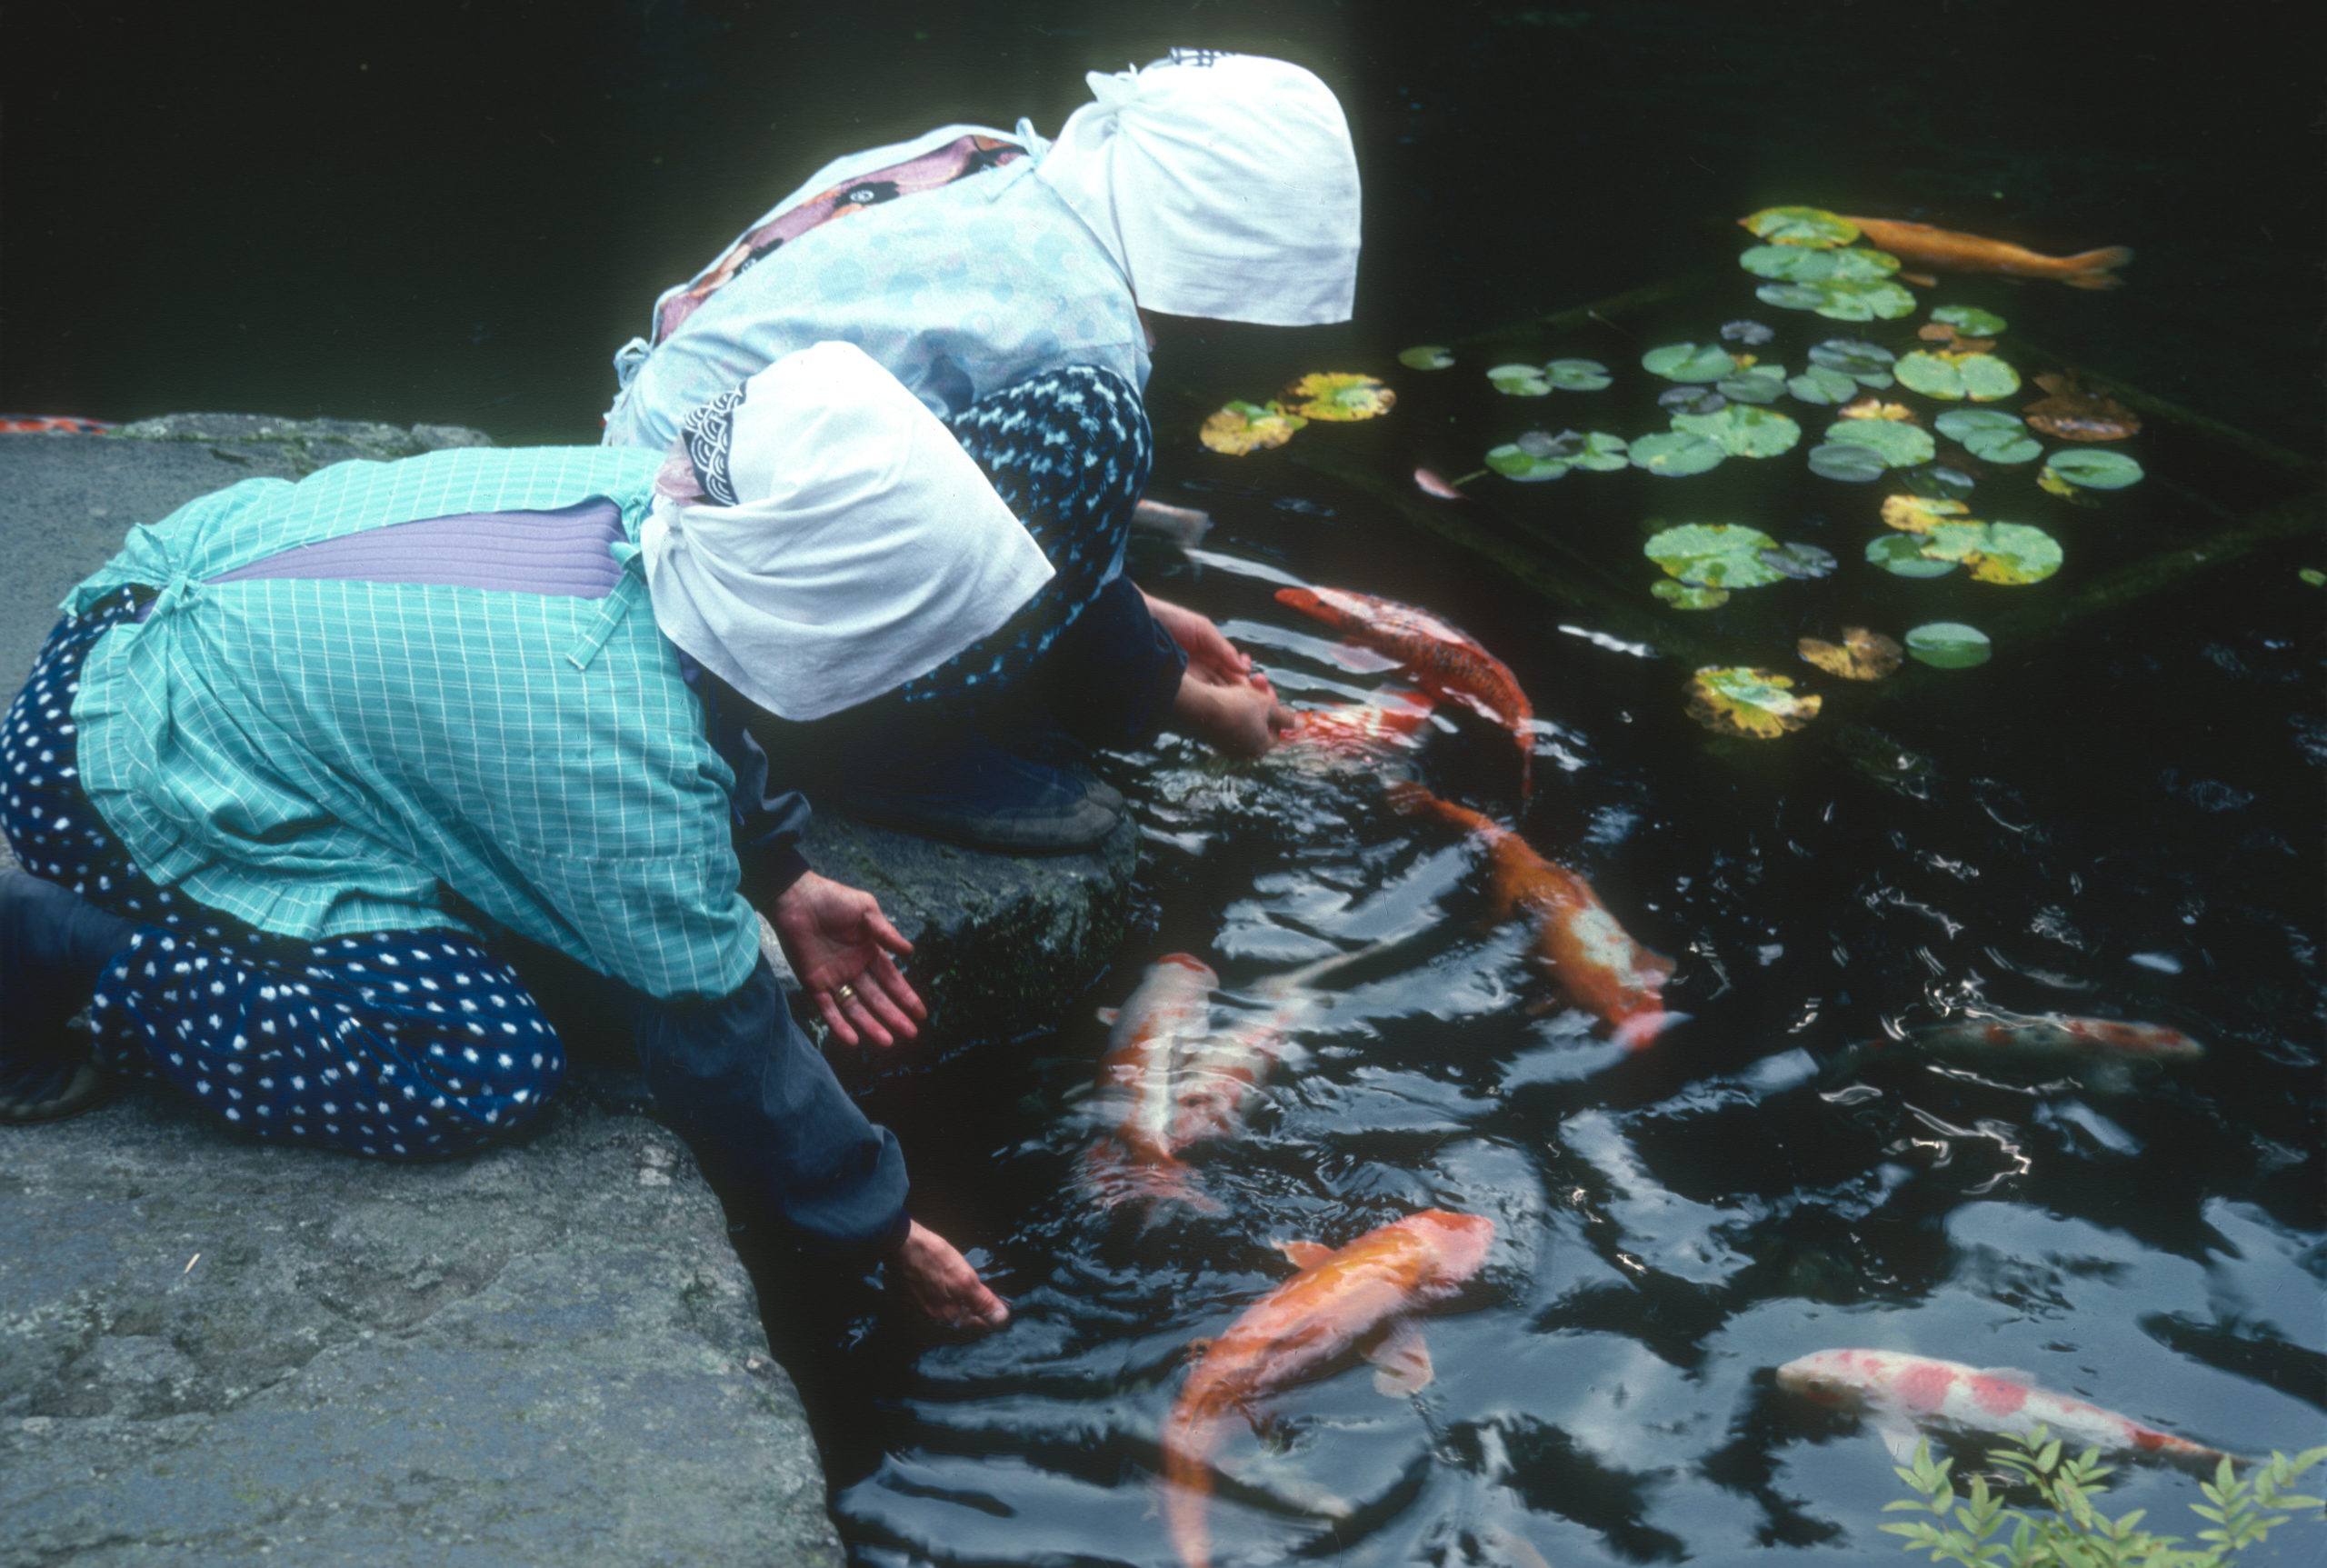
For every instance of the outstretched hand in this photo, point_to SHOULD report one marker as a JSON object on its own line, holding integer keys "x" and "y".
{"x": 1213, "y": 659}
{"x": 841, "y": 948}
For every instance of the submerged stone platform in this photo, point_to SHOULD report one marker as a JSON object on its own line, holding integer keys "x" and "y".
{"x": 549, "y": 1354}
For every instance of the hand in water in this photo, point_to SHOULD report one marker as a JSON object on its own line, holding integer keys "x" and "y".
{"x": 840, "y": 944}
{"x": 941, "y": 1284}
{"x": 1243, "y": 719}
{"x": 1213, "y": 659}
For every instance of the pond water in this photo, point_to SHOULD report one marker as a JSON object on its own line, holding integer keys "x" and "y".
{"x": 2116, "y": 817}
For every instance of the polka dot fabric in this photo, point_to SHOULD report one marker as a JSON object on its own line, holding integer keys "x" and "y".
{"x": 406, "y": 1045}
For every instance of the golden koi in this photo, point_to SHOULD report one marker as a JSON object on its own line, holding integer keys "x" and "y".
{"x": 1359, "y": 1299}
{"x": 1945, "y": 250}
{"x": 1592, "y": 959}
{"x": 1899, "y": 1391}
{"x": 1441, "y": 655}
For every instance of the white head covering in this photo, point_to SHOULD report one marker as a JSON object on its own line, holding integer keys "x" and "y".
{"x": 843, "y": 541}
{"x": 1224, "y": 186}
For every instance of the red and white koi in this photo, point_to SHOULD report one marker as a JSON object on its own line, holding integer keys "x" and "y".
{"x": 1359, "y": 1299}
{"x": 1898, "y": 1392}
{"x": 2102, "y": 1049}
{"x": 1354, "y": 734}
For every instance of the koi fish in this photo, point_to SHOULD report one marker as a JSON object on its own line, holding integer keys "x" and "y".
{"x": 2043, "y": 1039}
{"x": 51, "y": 424}
{"x": 1945, "y": 250}
{"x": 1360, "y": 1299}
{"x": 1139, "y": 1085}
{"x": 1592, "y": 959}
{"x": 1901, "y": 1392}
{"x": 1439, "y": 655}
{"x": 1359, "y": 732}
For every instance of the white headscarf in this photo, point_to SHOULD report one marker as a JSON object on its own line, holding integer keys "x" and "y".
{"x": 843, "y": 542}
{"x": 1224, "y": 186}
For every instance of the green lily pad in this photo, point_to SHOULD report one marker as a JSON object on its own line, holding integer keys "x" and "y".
{"x": 1429, "y": 357}
{"x": 1743, "y": 431}
{"x": 1520, "y": 381}
{"x": 1948, "y": 645}
{"x": 1513, "y": 464}
{"x": 1840, "y": 299}
{"x": 1602, "y": 453}
{"x": 1693, "y": 398}
{"x": 2093, "y": 469}
{"x": 1538, "y": 455}
{"x": 1812, "y": 226}
{"x": 2008, "y": 552}
{"x": 1745, "y": 332}
{"x": 1577, "y": 375}
{"x": 1792, "y": 264}
{"x": 1819, "y": 384}
{"x": 1762, "y": 383}
{"x": 1902, "y": 555}
{"x": 1739, "y": 701}
{"x": 1969, "y": 319}
{"x": 1900, "y": 445}
{"x": 1938, "y": 481}
{"x": 1688, "y": 596}
{"x": 1839, "y": 460}
{"x": 1799, "y": 561}
{"x": 1868, "y": 364}
{"x": 1675, "y": 454}
{"x": 1988, "y": 434}
{"x": 1687, "y": 361}
{"x": 1981, "y": 377}
{"x": 2313, "y": 576}
{"x": 1715, "y": 555}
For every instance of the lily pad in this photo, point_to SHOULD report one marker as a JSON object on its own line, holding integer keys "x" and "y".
{"x": 1812, "y": 226}
{"x": 1820, "y": 385}
{"x": 1697, "y": 399}
{"x": 1743, "y": 431}
{"x": 1737, "y": 699}
{"x": 1915, "y": 515}
{"x": 1429, "y": 357}
{"x": 1242, "y": 427}
{"x": 1988, "y": 434}
{"x": 1600, "y": 452}
{"x": 2008, "y": 553}
{"x": 1899, "y": 445}
{"x": 1868, "y": 364}
{"x": 1799, "y": 561}
{"x": 1981, "y": 377}
{"x": 1948, "y": 645}
{"x": 1953, "y": 341}
{"x": 1749, "y": 333}
{"x": 2094, "y": 470}
{"x": 2074, "y": 414}
{"x": 1687, "y": 361}
{"x": 1675, "y": 454}
{"x": 1862, "y": 655}
{"x": 1337, "y": 397}
{"x": 1514, "y": 462}
{"x": 1577, "y": 375}
{"x": 1840, "y": 460}
{"x": 1688, "y": 596}
{"x": 1970, "y": 320}
{"x": 1520, "y": 381}
{"x": 1792, "y": 264}
{"x": 1762, "y": 383}
{"x": 1840, "y": 299}
{"x": 1936, "y": 481}
{"x": 1715, "y": 555}
{"x": 1902, "y": 555}
{"x": 1869, "y": 406}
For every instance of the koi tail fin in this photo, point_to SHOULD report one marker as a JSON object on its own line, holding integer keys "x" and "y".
{"x": 1188, "y": 1438}
{"x": 2094, "y": 268}
{"x": 1115, "y": 1175}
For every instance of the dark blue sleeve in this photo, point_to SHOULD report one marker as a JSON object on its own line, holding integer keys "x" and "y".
{"x": 1115, "y": 673}
{"x": 767, "y": 827}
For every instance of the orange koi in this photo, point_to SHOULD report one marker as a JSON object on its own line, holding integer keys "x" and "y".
{"x": 1592, "y": 959}
{"x": 1945, "y": 250}
{"x": 1359, "y": 1299}
{"x": 1139, "y": 1083}
{"x": 51, "y": 424}
{"x": 1441, "y": 655}
{"x": 1356, "y": 731}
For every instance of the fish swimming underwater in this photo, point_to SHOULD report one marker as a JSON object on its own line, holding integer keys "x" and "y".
{"x": 1360, "y": 735}
{"x": 1441, "y": 655}
{"x": 1945, "y": 250}
{"x": 1139, "y": 1084}
{"x": 51, "y": 424}
{"x": 1592, "y": 960}
{"x": 2105, "y": 1048}
{"x": 1360, "y": 1299}
{"x": 1899, "y": 1391}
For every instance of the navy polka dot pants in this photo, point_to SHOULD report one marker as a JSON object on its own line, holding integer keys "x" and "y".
{"x": 405, "y": 1044}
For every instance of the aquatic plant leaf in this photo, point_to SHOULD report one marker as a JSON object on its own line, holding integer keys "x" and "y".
{"x": 1821, "y": 384}
{"x": 1812, "y": 226}
{"x": 1762, "y": 383}
{"x": 1675, "y": 454}
{"x": 1738, "y": 700}
{"x": 1868, "y": 364}
{"x": 1428, "y": 356}
{"x": 1792, "y": 264}
{"x": 1862, "y": 655}
{"x": 2313, "y": 575}
{"x": 1514, "y": 462}
{"x": 1915, "y": 515}
{"x": 1899, "y": 445}
{"x": 1698, "y": 399}
{"x": 1990, "y": 435}
{"x": 1936, "y": 481}
{"x": 1840, "y": 299}
{"x": 1743, "y": 431}
{"x": 1688, "y": 596}
{"x": 1869, "y": 406}
{"x": 2074, "y": 414}
{"x": 2008, "y": 553}
{"x": 1577, "y": 375}
{"x": 1954, "y": 342}
{"x": 1520, "y": 381}
{"x": 1242, "y": 427}
{"x": 1969, "y": 319}
{"x": 1543, "y": 443}
{"x": 1981, "y": 377}
{"x": 1687, "y": 361}
{"x": 1948, "y": 645}
{"x": 1839, "y": 460}
{"x": 1799, "y": 561}
{"x": 2094, "y": 470}
{"x": 1602, "y": 453}
{"x": 1713, "y": 555}
{"x": 1902, "y": 555}
{"x": 1337, "y": 397}
{"x": 1750, "y": 333}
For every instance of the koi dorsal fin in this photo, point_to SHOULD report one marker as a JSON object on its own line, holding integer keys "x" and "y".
{"x": 1305, "y": 1254}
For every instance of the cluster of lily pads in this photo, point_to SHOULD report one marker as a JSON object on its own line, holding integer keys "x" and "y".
{"x": 1334, "y": 396}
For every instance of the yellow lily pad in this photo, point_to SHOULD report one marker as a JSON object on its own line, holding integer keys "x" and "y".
{"x": 1873, "y": 408}
{"x": 1335, "y": 397}
{"x": 1862, "y": 655}
{"x": 1738, "y": 700}
{"x": 1242, "y": 427}
{"x": 1917, "y": 514}
{"x": 1814, "y": 227}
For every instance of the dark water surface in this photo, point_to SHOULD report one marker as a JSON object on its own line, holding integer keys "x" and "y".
{"x": 454, "y": 214}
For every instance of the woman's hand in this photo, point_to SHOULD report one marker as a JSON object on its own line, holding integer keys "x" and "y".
{"x": 840, "y": 945}
{"x": 1242, "y": 718}
{"x": 1213, "y": 659}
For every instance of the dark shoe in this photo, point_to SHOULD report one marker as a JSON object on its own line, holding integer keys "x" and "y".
{"x": 1030, "y": 735}
{"x": 949, "y": 782}
{"x": 54, "y": 943}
